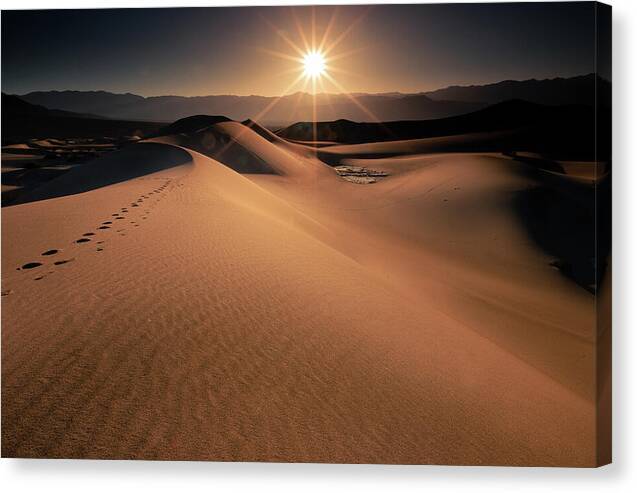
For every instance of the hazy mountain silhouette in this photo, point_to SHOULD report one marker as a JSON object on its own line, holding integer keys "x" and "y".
{"x": 15, "y": 106}
{"x": 22, "y": 121}
{"x": 294, "y": 107}
{"x": 573, "y": 90}
{"x": 302, "y": 106}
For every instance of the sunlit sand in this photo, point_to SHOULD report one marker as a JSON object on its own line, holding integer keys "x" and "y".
{"x": 194, "y": 300}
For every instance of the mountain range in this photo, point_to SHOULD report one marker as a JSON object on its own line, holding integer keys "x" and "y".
{"x": 450, "y": 101}
{"x": 24, "y": 121}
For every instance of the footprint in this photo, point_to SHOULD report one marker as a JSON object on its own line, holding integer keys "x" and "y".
{"x": 100, "y": 249}
{"x": 82, "y": 240}
{"x": 38, "y": 278}
{"x": 7, "y": 292}
{"x": 104, "y": 227}
{"x": 60, "y": 262}
{"x": 107, "y": 222}
{"x": 50, "y": 252}
{"x": 88, "y": 234}
{"x": 120, "y": 218}
{"x": 31, "y": 265}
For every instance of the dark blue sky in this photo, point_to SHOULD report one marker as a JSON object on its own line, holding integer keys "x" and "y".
{"x": 188, "y": 51}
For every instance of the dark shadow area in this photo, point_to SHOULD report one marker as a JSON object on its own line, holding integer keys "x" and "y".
{"x": 216, "y": 144}
{"x": 560, "y": 215}
{"x": 241, "y": 160}
{"x": 26, "y": 169}
{"x": 20, "y": 129}
{"x": 263, "y": 132}
{"x": 478, "y": 142}
{"x": 604, "y": 239}
{"x": 538, "y": 162}
{"x": 26, "y": 180}
{"x": 190, "y": 124}
{"x": 556, "y": 132}
{"x": 224, "y": 149}
{"x": 132, "y": 162}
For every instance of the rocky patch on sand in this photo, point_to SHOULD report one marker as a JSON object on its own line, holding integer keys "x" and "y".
{"x": 360, "y": 175}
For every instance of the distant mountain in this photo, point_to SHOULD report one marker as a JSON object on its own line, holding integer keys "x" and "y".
{"x": 94, "y": 102}
{"x": 284, "y": 110}
{"x": 300, "y": 106}
{"x": 23, "y": 121}
{"x": 13, "y": 105}
{"x": 573, "y": 90}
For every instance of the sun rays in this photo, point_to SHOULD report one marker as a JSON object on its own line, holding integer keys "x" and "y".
{"x": 312, "y": 59}
{"x": 313, "y": 56}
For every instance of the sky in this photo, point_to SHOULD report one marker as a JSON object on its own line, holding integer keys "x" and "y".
{"x": 248, "y": 50}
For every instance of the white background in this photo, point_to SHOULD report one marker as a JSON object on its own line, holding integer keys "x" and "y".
{"x": 118, "y": 476}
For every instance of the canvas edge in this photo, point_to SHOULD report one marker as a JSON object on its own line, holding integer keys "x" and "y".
{"x": 603, "y": 226}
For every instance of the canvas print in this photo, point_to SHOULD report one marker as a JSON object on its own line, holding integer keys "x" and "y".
{"x": 336, "y": 234}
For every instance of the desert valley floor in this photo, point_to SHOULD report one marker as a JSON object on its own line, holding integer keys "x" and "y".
{"x": 226, "y": 295}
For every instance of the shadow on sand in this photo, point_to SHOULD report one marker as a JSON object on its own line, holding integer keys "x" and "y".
{"x": 561, "y": 216}
{"x": 132, "y": 162}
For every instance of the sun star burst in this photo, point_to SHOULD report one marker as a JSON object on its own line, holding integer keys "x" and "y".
{"x": 314, "y": 64}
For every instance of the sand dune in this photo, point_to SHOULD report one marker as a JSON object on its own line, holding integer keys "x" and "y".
{"x": 480, "y": 142}
{"x": 245, "y": 150}
{"x": 285, "y": 314}
{"x": 114, "y": 168}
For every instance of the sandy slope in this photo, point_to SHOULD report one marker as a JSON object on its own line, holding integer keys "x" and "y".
{"x": 453, "y": 143}
{"x": 445, "y": 226}
{"x": 248, "y": 151}
{"x": 290, "y": 315}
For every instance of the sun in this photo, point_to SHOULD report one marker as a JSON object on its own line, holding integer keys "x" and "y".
{"x": 313, "y": 64}
{"x": 313, "y": 56}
